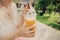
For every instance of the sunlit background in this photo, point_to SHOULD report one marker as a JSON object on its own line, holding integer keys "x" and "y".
{"x": 48, "y": 11}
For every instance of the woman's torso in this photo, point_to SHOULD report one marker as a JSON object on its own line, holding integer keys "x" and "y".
{"x": 7, "y": 26}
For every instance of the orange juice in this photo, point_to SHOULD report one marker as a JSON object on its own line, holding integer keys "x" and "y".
{"x": 29, "y": 22}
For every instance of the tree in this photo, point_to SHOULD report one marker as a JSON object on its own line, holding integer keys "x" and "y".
{"x": 42, "y": 4}
{"x": 58, "y": 10}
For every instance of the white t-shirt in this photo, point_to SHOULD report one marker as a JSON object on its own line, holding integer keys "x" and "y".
{"x": 8, "y": 26}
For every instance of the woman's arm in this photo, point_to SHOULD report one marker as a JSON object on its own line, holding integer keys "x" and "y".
{"x": 21, "y": 22}
{"x": 22, "y": 31}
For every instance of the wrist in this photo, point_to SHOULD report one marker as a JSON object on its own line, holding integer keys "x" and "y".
{"x": 13, "y": 35}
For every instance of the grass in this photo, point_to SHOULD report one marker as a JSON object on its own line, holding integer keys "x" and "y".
{"x": 49, "y": 20}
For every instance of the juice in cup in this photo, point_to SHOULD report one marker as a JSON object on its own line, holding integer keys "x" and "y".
{"x": 29, "y": 22}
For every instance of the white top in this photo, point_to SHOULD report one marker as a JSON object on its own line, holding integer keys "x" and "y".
{"x": 8, "y": 26}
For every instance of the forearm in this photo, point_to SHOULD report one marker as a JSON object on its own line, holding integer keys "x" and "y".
{"x": 21, "y": 21}
{"x": 14, "y": 35}
{"x": 17, "y": 33}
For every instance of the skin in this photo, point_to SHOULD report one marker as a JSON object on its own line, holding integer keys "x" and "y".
{"x": 5, "y": 3}
{"x": 19, "y": 33}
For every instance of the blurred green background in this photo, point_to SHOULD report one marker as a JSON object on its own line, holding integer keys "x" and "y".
{"x": 48, "y": 12}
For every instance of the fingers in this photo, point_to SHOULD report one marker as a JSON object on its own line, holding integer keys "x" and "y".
{"x": 30, "y": 35}
{"x": 27, "y": 31}
{"x": 30, "y": 28}
{"x": 31, "y": 31}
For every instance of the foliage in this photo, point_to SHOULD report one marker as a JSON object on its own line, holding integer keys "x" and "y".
{"x": 43, "y": 4}
{"x": 45, "y": 9}
{"x": 50, "y": 21}
{"x": 15, "y": 1}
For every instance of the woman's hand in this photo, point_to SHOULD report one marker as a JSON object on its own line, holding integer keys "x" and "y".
{"x": 27, "y": 31}
{"x": 22, "y": 32}
{"x": 26, "y": 9}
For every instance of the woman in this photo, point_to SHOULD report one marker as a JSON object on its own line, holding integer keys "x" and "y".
{"x": 10, "y": 25}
